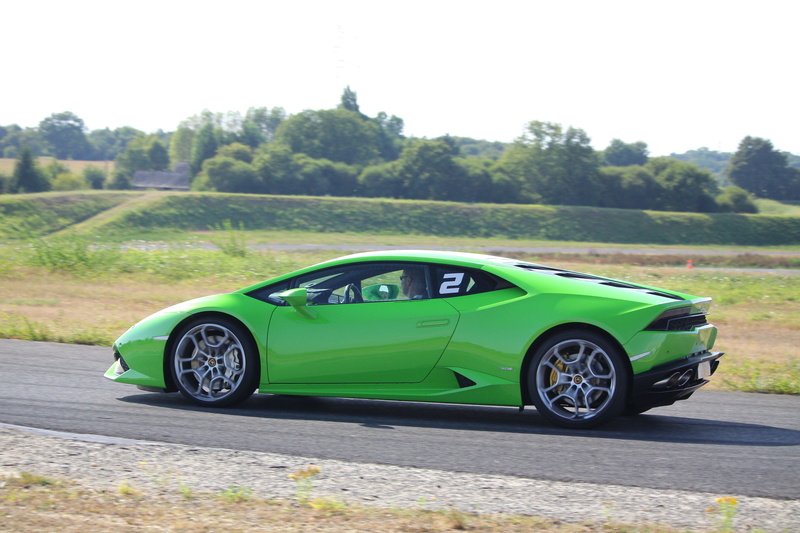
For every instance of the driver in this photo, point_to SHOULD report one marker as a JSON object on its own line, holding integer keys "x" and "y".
{"x": 412, "y": 283}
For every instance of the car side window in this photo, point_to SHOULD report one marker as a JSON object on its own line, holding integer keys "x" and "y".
{"x": 384, "y": 282}
{"x": 450, "y": 281}
{"x": 270, "y": 294}
{"x": 366, "y": 283}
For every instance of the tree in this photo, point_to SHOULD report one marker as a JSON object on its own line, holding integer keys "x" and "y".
{"x": 336, "y": 134}
{"x": 513, "y": 176}
{"x": 108, "y": 144}
{"x": 793, "y": 188}
{"x": 278, "y": 170}
{"x": 94, "y": 176}
{"x": 17, "y": 138}
{"x": 711, "y": 160}
{"x": 251, "y": 135}
{"x": 236, "y": 151}
{"x": 53, "y": 169}
{"x": 391, "y": 137}
{"x": 380, "y": 181}
{"x": 559, "y": 167}
{"x": 65, "y": 133}
{"x": 578, "y": 182}
{"x": 27, "y": 176}
{"x": 685, "y": 186}
{"x": 158, "y": 156}
{"x": 119, "y": 181}
{"x": 180, "y": 145}
{"x": 204, "y": 146}
{"x": 143, "y": 153}
{"x": 630, "y": 187}
{"x": 323, "y": 177}
{"x": 620, "y": 154}
{"x": 479, "y": 149}
{"x": 476, "y": 179}
{"x": 350, "y": 100}
{"x": 226, "y": 174}
{"x": 266, "y": 120}
{"x": 507, "y": 187}
{"x": 428, "y": 171}
{"x": 759, "y": 168}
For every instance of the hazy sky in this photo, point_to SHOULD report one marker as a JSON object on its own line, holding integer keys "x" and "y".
{"x": 678, "y": 75}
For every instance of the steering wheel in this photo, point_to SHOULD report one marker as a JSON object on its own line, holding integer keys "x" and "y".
{"x": 352, "y": 294}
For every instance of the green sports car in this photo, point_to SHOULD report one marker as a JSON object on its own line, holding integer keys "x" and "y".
{"x": 432, "y": 326}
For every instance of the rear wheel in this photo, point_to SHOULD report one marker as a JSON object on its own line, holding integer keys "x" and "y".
{"x": 578, "y": 380}
{"x": 215, "y": 362}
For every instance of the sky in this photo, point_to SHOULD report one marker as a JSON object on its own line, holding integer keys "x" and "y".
{"x": 678, "y": 75}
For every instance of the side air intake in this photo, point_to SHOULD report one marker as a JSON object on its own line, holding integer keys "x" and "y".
{"x": 463, "y": 381}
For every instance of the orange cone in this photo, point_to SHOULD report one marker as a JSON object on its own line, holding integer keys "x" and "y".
{"x": 690, "y": 264}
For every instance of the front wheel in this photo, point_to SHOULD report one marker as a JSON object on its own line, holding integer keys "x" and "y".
{"x": 215, "y": 362}
{"x": 578, "y": 380}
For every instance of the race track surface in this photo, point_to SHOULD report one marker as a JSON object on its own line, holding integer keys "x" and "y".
{"x": 719, "y": 442}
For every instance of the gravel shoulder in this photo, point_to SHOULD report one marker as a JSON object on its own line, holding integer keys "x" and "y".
{"x": 106, "y": 463}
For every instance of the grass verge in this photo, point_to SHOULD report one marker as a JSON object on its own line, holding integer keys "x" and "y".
{"x": 30, "y": 503}
{"x": 75, "y": 292}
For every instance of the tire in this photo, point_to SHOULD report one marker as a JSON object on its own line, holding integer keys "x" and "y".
{"x": 578, "y": 380}
{"x": 215, "y": 362}
{"x": 632, "y": 410}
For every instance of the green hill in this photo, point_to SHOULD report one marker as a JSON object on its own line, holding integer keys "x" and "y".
{"x": 31, "y": 215}
{"x": 112, "y": 212}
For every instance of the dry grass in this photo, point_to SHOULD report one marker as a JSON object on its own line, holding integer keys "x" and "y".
{"x": 760, "y": 358}
{"x": 76, "y": 167}
{"x": 756, "y": 313}
{"x": 34, "y": 504}
{"x": 64, "y": 308}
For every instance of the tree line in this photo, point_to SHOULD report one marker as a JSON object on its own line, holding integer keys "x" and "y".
{"x": 343, "y": 152}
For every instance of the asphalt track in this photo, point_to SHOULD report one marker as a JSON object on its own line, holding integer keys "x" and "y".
{"x": 720, "y": 442}
{"x": 524, "y": 249}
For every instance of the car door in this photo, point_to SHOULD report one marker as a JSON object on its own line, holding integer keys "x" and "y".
{"x": 379, "y": 337}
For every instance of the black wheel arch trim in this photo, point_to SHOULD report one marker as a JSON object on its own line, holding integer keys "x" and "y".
{"x": 170, "y": 344}
{"x": 526, "y": 391}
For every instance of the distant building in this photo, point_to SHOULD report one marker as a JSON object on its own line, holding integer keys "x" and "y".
{"x": 162, "y": 180}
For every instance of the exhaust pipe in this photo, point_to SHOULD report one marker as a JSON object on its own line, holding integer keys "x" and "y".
{"x": 685, "y": 378}
{"x": 675, "y": 380}
{"x": 667, "y": 383}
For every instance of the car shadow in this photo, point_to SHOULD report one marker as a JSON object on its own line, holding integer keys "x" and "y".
{"x": 387, "y": 415}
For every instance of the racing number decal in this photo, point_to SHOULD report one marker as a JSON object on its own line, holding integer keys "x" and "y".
{"x": 451, "y": 282}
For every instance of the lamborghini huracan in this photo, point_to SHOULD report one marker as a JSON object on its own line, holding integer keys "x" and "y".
{"x": 430, "y": 326}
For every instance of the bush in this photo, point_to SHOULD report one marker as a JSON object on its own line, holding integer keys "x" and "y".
{"x": 734, "y": 199}
{"x": 69, "y": 182}
{"x": 94, "y": 176}
{"x": 71, "y": 254}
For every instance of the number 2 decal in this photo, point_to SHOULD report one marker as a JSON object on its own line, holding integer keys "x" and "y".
{"x": 451, "y": 282}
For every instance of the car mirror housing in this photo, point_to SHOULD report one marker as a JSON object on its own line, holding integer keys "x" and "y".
{"x": 298, "y": 298}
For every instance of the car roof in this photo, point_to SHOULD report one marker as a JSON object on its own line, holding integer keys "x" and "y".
{"x": 515, "y": 270}
{"x": 446, "y": 256}
{"x": 519, "y": 272}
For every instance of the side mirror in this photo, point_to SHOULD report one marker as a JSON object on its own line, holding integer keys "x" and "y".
{"x": 298, "y": 298}
{"x": 381, "y": 291}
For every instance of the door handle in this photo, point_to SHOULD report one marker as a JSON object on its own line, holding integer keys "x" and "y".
{"x": 433, "y": 323}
